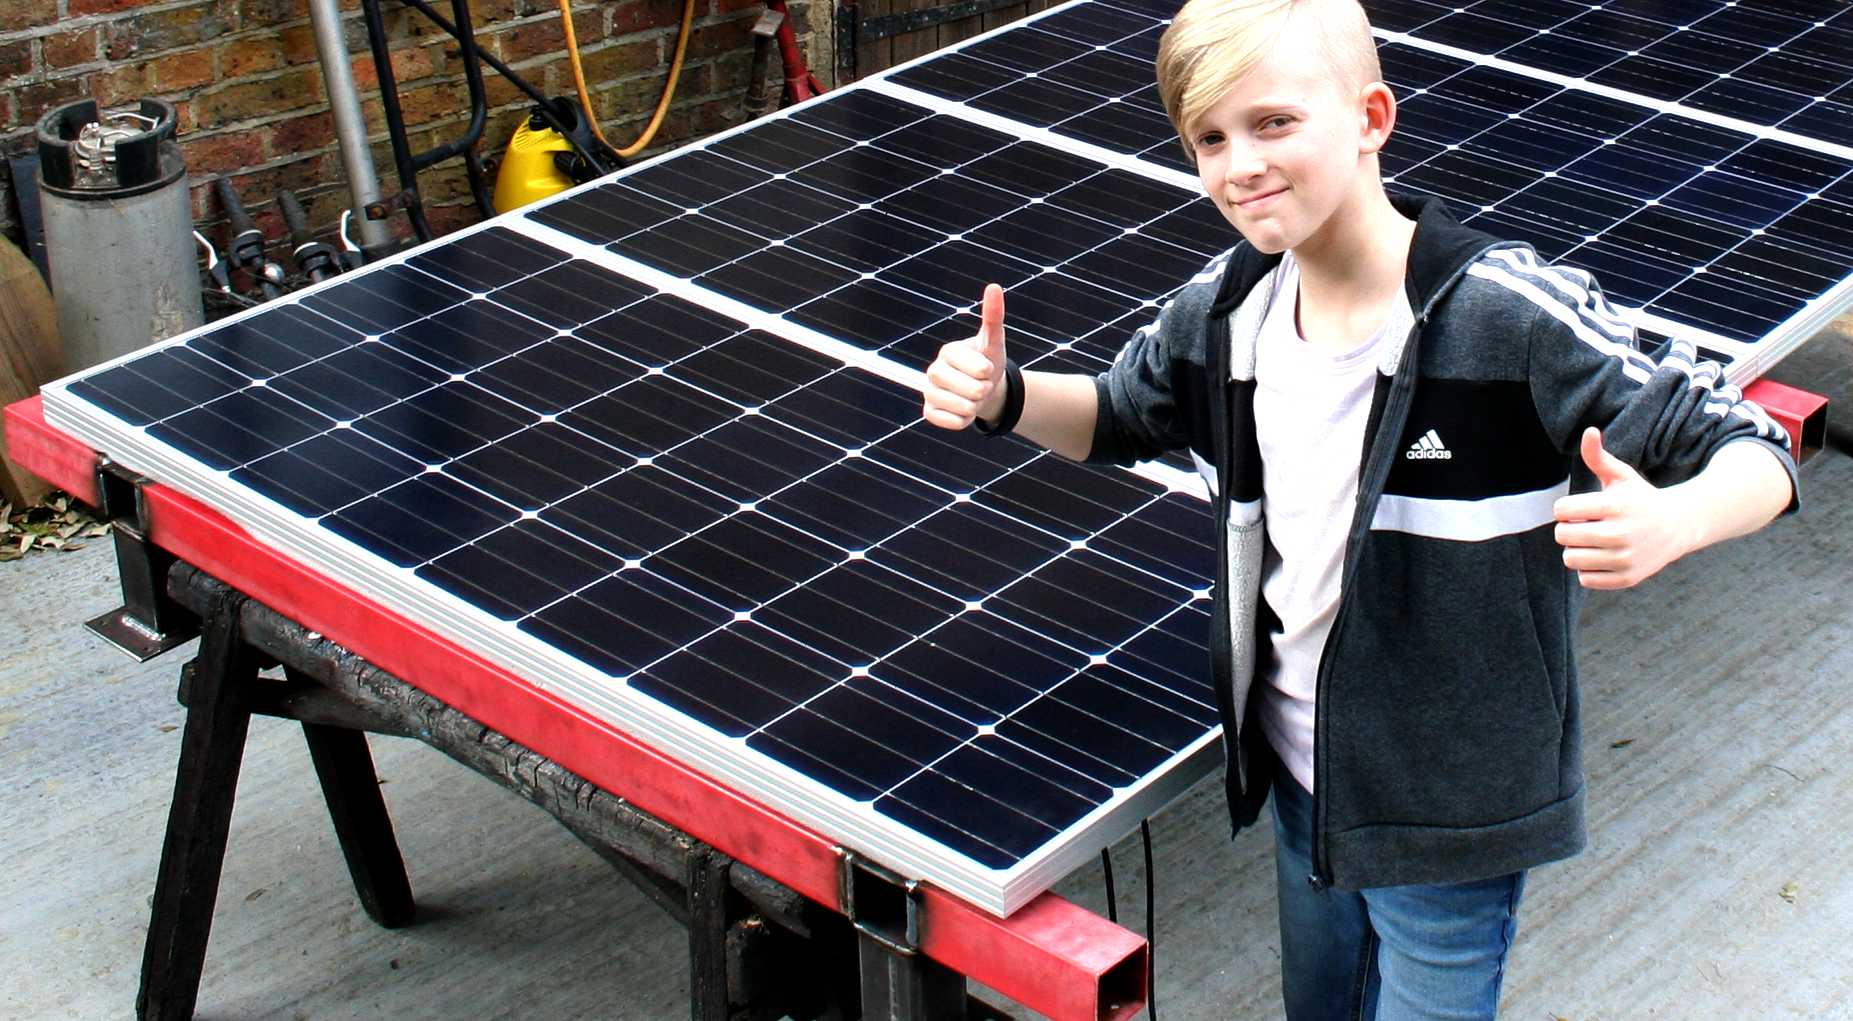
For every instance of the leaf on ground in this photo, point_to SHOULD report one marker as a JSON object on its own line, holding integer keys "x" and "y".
{"x": 49, "y": 526}
{"x": 1790, "y": 890}
{"x": 253, "y": 895}
{"x": 167, "y": 728}
{"x": 1623, "y": 743}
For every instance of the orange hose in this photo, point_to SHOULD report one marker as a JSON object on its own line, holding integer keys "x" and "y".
{"x": 669, "y": 87}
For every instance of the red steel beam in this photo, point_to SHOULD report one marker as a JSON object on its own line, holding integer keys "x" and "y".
{"x": 1050, "y": 955}
{"x": 1803, "y": 414}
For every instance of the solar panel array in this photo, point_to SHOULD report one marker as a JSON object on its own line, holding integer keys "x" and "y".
{"x": 655, "y": 444}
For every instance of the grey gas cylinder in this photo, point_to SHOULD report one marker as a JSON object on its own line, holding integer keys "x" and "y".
{"x": 118, "y": 229}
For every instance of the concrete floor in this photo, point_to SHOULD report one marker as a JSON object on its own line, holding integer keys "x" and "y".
{"x": 1717, "y": 882}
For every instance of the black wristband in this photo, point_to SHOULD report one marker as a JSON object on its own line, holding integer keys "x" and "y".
{"x": 1013, "y": 403}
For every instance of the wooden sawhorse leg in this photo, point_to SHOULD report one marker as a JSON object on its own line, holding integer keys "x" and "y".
{"x": 221, "y": 691}
{"x": 352, "y": 790}
{"x": 211, "y": 752}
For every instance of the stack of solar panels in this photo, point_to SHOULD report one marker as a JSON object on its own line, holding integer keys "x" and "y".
{"x": 655, "y": 444}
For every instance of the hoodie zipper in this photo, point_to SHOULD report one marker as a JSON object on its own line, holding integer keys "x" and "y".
{"x": 1395, "y": 413}
{"x": 1370, "y": 487}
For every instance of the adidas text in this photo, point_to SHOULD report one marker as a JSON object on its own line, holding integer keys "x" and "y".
{"x": 1429, "y": 448}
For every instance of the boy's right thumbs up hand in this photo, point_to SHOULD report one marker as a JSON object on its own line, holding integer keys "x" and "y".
{"x": 965, "y": 381}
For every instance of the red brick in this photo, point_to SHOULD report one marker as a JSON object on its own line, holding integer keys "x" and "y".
{"x": 180, "y": 71}
{"x": 720, "y": 38}
{"x": 731, "y": 74}
{"x": 301, "y": 134}
{"x": 618, "y": 61}
{"x": 408, "y": 64}
{"x": 222, "y": 153}
{"x": 298, "y": 43}
{"x": 291, "y": 90}
{"x": 258, "y": 187}
{"x": 79, "y": 8}
{"x": 427, "y": 103}
{"x": 519, "y": 42}
{"x": 266, "y": 13}
{"x": 641, "y": 15}
{"x": 170, "y": 29}
{"x": 69, "y": 49}
{"x": 499, "y": 91}
{"x": 488, "y": 12}
{"x": 445, "y": 219}
{"x": 15, "y": 15}
{"x": 15, "y": 59}
{"x": 34, "y": 99}
{"x": 253, "y": 54}
{"x": 118, "y": 85}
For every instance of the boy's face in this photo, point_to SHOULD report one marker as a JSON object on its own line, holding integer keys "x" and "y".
{"x": 1280, "y": 153}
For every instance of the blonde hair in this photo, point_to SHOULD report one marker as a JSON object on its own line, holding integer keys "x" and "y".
{"x": 1212, "y": 45}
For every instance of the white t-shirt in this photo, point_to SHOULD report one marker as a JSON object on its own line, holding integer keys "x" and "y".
{"x": 1310, "y": 410}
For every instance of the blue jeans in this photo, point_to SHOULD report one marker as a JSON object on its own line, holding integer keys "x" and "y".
{"x": 1395, "y": 953}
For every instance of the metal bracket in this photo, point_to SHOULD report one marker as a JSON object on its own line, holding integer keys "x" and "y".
{"x": 405, "y": 198}
{"x": 881, "y": 903}
{"x": 148, "y": 622}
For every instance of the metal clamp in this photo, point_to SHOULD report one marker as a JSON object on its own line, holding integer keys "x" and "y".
{"x": 148, "y": 622}
{"x": 880, "y": 902}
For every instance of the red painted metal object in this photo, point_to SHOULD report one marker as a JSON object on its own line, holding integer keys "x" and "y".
{"x": 1051, "y": 955}
{"x": 800, "y": 83}
{"x": 1802, "y": 413}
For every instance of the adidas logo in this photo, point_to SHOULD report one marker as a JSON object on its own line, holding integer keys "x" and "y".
{"x": 1429, "y": 448}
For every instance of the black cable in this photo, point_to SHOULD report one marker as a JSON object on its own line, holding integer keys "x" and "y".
{"x": 1151, "y": 929}
{"x": 1113, "y": 901}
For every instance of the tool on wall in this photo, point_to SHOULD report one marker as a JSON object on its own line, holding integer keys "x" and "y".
{"x": 800, "y": 83}
{"x": 314, "y": 259}
{"x": 246, "y": 249}
{"x": 363, "y": 182}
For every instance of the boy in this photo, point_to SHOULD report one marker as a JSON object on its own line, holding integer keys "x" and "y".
{"x": 1395, "y": 414}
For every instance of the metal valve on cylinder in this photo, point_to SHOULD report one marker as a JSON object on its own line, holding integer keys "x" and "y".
{"x": 118, "y": 228}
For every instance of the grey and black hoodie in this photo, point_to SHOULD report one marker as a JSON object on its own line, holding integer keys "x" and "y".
{"x": 1448, "y": 744}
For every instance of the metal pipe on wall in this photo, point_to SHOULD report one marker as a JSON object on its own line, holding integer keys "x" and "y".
{"x": 363, "y": 183}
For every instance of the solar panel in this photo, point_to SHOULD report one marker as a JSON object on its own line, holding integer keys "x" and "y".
{"x": 727, "y": 542}
{"x": 1733, "y": 234}
{"x": 654, "y": 444}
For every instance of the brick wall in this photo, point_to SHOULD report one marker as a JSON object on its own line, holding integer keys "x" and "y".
{"x": 247, "y": 86}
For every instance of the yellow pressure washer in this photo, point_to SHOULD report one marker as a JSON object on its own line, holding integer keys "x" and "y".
{"x": 540, "y": 161}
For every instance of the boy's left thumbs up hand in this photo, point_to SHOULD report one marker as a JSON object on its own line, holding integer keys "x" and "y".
{"x": 1623, "y": 534}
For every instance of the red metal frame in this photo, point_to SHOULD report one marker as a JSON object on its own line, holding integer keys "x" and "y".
{"x": 1803, "y": 414}
{"x": 1051, "y": 955}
